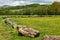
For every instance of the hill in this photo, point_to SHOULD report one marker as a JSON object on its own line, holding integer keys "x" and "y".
{"x": 32, "y": 9}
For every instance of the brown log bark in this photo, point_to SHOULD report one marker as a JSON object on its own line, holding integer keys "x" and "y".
{"x": 12, "y": 24}
{"x": 51, "y": 37}
{"x": 28, "y": 31}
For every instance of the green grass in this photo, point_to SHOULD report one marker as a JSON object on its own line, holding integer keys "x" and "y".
{"x": 46, "y": 26}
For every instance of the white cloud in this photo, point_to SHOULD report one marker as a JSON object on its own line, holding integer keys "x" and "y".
{"x": 49, "y": 0}
{"x": 5, "y": 2}
{"x": 25, "y": 2}
{"x": 45, "y": 3}
{"x": 16, "y": 3}
{"x": 58, "y": 0}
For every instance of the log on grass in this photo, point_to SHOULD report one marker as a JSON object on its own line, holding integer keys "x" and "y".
{"x": 12, "y": 24}
{"x": 51, "y": 37}
{"x": 27, "y": 31}
{"x": 6, "y": 20}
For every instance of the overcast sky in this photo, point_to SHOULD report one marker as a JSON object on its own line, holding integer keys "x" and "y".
{"x": 25, "y": 2}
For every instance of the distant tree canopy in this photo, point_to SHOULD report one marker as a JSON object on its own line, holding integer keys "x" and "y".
{"x": 55, "y": 8}
{"x": 32, "y": 9}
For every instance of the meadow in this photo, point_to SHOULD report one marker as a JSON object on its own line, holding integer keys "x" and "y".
{"x": 45, "y": 25}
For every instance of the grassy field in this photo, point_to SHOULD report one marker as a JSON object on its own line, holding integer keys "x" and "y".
{"x": 46, "y": 26}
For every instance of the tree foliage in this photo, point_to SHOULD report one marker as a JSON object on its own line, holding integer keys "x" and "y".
{"x": 33, "y": 9}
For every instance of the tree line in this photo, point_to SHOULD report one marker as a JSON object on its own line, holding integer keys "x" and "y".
{"x": 32, "y": 9}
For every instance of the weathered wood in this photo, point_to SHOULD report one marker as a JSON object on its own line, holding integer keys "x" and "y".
{"x": 51, "y": 37}
{"x": 27, "y": 31}
{"x": 6, "y": 20}
{"x": 12, "y": 24}
{"x": 22, "y": 29}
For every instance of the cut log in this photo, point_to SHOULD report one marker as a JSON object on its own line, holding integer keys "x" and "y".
{"x": 22, "y": 29}
{"x": 6, "y": 20}
{"x": 27, "y": 31}
{"x": 51, "y": 37}
{"x": 12, "y": 24}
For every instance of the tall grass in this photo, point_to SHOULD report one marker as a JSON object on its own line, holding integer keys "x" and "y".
{"x": 46, "y": 26}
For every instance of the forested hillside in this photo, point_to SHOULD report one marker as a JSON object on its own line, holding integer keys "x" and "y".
{"x": 32, "y": 9}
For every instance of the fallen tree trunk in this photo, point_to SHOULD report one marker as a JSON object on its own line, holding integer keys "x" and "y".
{"x": 12, "y": 24}
{"x": 6, "y": 20}
{"x": 22, "y": 29}
{"x": 27, "y": 31}
{"x": 51, "y": 37}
